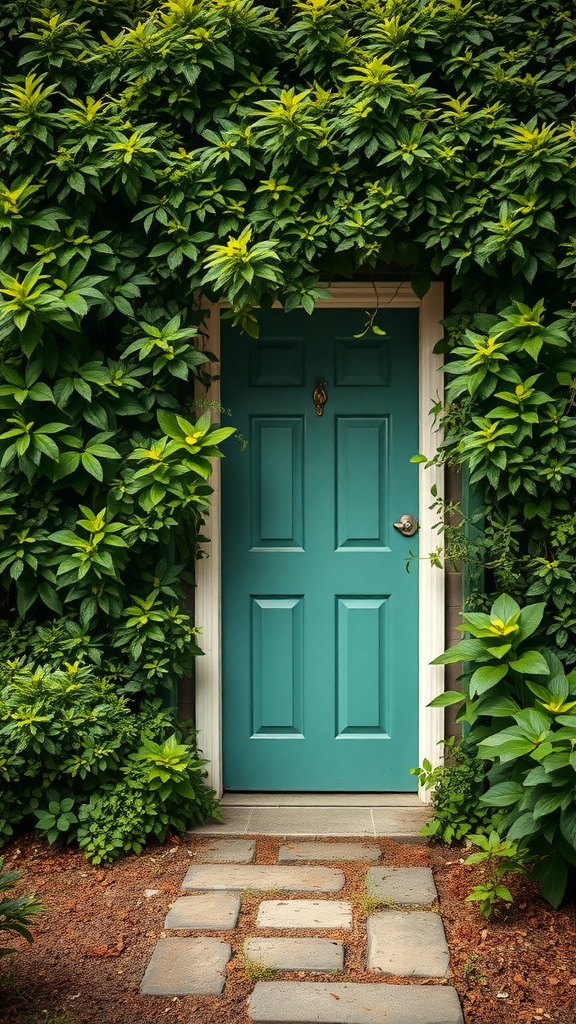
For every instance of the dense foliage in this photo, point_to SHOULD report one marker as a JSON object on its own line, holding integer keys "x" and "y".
{"x": 80, "y": 763}
{"x": 456, "y": 786}
{"x": 153, "y": 150}
{"x": 519, "y": 705}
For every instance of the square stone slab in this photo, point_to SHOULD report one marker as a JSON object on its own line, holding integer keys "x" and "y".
{"x": 292, "y": 853}
{"x": 309, "y": 1002}
{"x": 400, "y": 822}
{"x": 186, "y": 967}
{"x": 214, "y": 911}
{"x": 408, "y": 943}
{"x": 295, "y": 954}
{"x": 237, "y": 877}
{"x": 226, "y": 851}
{"x": 319, "y": 914}
{"x": 406, "y": 886}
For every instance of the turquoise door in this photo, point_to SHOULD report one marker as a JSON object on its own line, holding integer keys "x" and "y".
{"x": 320, "y": 617}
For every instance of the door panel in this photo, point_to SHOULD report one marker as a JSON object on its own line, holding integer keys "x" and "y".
{"x": 320, "y": 625}
{"x": 362, "y": 500}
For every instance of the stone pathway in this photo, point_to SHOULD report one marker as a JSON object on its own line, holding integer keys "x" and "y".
{"x": 405, "y": 936}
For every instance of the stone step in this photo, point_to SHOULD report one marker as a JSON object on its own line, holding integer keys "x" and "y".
{"x": 321, "y": 914}
{"x": 186, "y": 967}
{"x": 408, "y": 943}
{"x": 226, "y": 851}
{"x": 304, "y": 1002}
{"x": 238, "y": 877}
{"x": 293, "y": 853}
{"x": 403, "y": 886}
{"x": 214, "y": 911}
{"x": 295, "y": 954}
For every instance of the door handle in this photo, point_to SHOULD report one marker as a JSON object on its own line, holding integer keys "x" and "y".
{"x": 407, "y": 525}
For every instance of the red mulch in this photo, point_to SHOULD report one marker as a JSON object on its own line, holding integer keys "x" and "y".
{"x": 100, "y": 926}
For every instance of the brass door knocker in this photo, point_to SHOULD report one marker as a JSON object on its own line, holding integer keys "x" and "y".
{"x": 319, "y": 396}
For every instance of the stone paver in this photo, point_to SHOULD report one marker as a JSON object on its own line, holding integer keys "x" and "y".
{"x": 408, "y": 943}
{"x": 214, "y": 911}
{"x": 311, "y": 821}
{"x": 293, "y": 853}
{"x": 319, "y": 914}
{"x": 186, "y": 967}
{"x": 304, "y": 1002}
{"x": 400, "y": 942}
{"x": 296, "y": 954}
{"x": 237, "y": 877}
{"x": 226, "y": 851}
{"x": 400, "y": 822}
{"x": 405, "y": 886}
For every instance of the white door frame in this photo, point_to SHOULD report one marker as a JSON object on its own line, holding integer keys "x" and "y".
{"x": 208, "y": 609}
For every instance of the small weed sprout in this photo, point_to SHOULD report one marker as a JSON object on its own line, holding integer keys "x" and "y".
{"x": 255, "y": 970}
{"x": 472, "y": 971}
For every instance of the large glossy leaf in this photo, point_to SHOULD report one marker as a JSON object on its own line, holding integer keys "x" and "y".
{"x": 530, "y": 618}
{"x": 444, "y": 700}
{"x": 486, "y": 677}
{"x": 503, "y": 794}
{"x": 530, "y": 663}
{"x": 552, "y": 874}
{"x": 504, "y": 608}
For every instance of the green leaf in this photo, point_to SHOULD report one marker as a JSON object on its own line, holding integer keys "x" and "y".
{"x": 91, "y": 465}
{"x": 503, "y": 794}
{"x": 443, "y": 700}
{"x": 68, "y": 462}
{"x": 504, "y": 608}
{"x": 466, "y": 650}
{"x": 548, "y": 803}
{"x": 486, "y": 677}
{"x": 47, "y": 446}
{"x": 216, "y": 436}
{"x": 169, "y": 423}
{"x": 524, "y": 825}
{"x": 568, "y": 826}
{"x": 552, "y": 874}
{"x": 530, "y": 618}
{"x": 506, "y": 747}
{"x": 499, "y": 707}
{"x": 530, "y": 663}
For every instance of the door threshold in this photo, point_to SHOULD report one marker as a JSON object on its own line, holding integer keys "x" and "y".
{"x": 234, "y": 799}
{"x": 318, "y": 815}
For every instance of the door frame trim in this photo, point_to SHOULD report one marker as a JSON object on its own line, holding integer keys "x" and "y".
{"x": 208, "y": 604}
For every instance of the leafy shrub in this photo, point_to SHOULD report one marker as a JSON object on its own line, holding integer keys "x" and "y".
{"x": 80, "y": 762}
{"x": 17, "y": 912}
{"x": 509, "y": 421}
{"x": 456, "y": 785}
{"x": 520, "y": 706}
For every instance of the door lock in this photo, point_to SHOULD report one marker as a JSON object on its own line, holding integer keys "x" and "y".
{"x": 407, "y": 525}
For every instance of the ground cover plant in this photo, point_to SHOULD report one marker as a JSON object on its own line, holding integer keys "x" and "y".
{"x": 16, "y": 912}
{"x": 151, "y": 151}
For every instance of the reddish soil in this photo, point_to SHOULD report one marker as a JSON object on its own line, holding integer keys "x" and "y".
{"x": 99, "y": 927}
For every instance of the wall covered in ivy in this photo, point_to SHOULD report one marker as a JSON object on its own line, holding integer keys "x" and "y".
{"x": 153, "y": 150}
